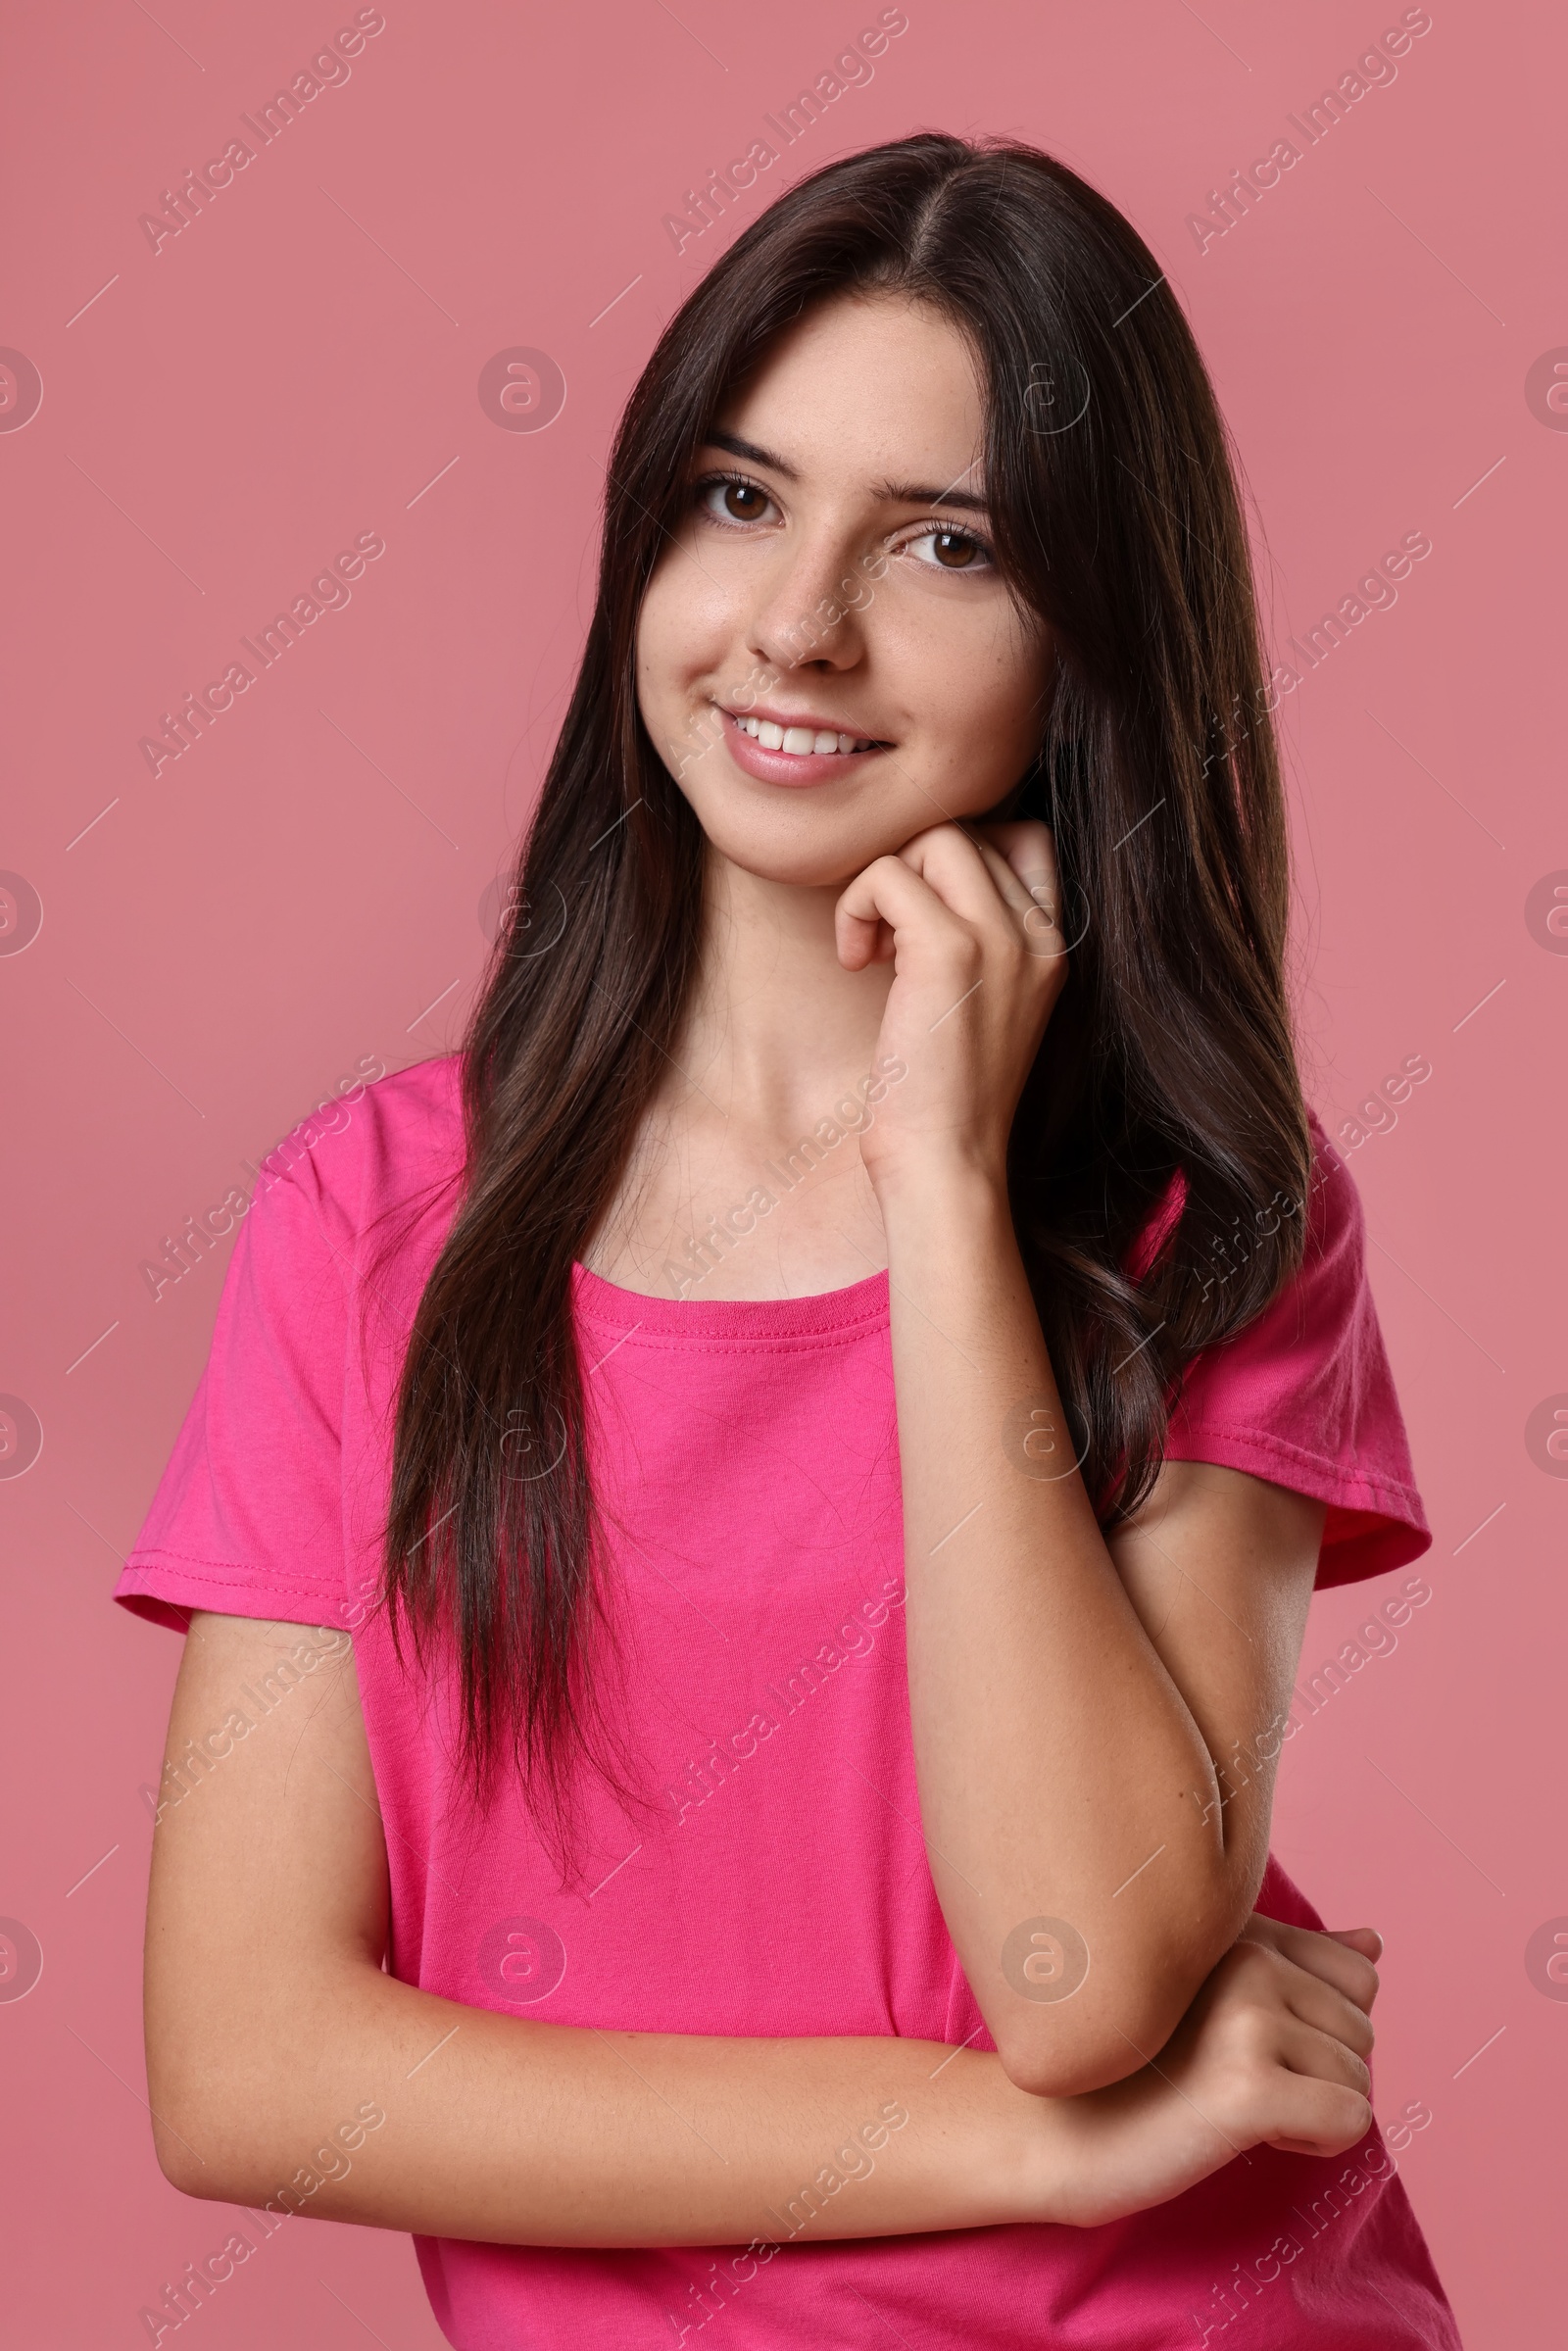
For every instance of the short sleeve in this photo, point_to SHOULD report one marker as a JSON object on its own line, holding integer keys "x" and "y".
{"x": 248, "y": 1517}
{"x": 1304, "y": 1398}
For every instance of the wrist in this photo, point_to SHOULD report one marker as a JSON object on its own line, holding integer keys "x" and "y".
{"x": 1081, "y": 2169}
{"x": 937, "y": 1179}
{"x": 1044, "y": 2158}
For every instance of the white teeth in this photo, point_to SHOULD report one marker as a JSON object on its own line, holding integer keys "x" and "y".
{"x": 800, "y": 740}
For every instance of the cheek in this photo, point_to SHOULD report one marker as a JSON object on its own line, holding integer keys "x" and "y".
{"x": 683, "y": 629}
{"x": 658, "y": 633}
{"x": 661, "y": 662}
{"x": 977, "y": 688}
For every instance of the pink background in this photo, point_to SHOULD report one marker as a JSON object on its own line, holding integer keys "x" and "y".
{"x": 222, "y": 944}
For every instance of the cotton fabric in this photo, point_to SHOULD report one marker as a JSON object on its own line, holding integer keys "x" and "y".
{"x": 777, "y": 1882}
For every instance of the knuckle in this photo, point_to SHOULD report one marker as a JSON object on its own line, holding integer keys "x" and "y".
{"x": 1254, "y": 2100}
{"x": 1248, "y": 2038}
{"x": 1357, "y": 2046}
{"x": 1356, "y": 2113}
{"x": 1260, "y": 2034}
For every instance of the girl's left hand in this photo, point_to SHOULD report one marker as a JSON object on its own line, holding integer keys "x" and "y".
{"x": 1271, "y": 2053}
{"x": 970, "y": 918}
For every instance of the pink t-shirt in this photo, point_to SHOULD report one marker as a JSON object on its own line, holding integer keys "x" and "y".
{"x": 748, "y": 1455}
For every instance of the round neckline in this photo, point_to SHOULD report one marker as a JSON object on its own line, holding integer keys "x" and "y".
{"x": 859, "y": 1304}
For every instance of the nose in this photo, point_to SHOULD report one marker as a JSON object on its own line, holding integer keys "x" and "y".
{"x": 808, "y": 613}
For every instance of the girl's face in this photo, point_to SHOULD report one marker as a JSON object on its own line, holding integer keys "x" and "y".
{"x": 828, "y": 661}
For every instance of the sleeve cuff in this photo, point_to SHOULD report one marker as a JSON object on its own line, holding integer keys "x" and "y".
{"x": 165, "y": 1589}
{"x": 1373, "y": 1523}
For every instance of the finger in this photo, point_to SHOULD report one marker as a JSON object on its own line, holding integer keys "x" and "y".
{"x": 1315, "y": 2098}
{"x": 1327, "y": 2010}
{"x": 1033, "y": 910}
{"x": 1010, "y": 889}
{"x": 1322, "y": 2057}
{"x": 954, "y": 862}
{"x": 890, "y": 893}
{"x": 1029, "y": 852}
{"x": 1326, "y": 2119}
{"x": 1306, "y": 1996}
{"x": 1349, "y": 1971}
{"x": 1033, "y": 904}
{"x": 1365, "y": 1939}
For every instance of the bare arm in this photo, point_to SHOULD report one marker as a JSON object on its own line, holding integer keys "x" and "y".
{"x": 1067, "y": 1735}
{"x": 286, "y": 2067}
{"x": 1080, "y": 1708}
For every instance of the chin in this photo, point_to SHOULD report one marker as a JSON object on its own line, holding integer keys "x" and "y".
{"x": 805, "y": 845}
{"x": 801, "y": 865}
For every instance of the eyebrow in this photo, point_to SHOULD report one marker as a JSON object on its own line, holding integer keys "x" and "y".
{"x": 895, "y": 493}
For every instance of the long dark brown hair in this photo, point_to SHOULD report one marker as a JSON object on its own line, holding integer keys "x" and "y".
{"x": 1169, "y": 1057}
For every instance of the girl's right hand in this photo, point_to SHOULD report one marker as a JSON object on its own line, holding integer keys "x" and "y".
{"x": 1271, "y": 2053}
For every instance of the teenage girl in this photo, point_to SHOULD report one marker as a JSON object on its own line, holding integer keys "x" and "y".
{"x": 745, "y": 1541}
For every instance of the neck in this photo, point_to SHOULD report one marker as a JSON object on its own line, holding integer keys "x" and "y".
{"x": 777, "y": 1028}
{"x": 776, "y": 1035}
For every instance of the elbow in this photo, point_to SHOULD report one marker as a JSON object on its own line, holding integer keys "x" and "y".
{"x": 204, "y": 2148}
{"x": 207, "y": 2117}
{"x": 1065, "y": 2049}
{"x": 214, "y": 2152}
{"x": 233, "y": 2121}
{"x": 1126, "y": 2004}
{"x": 183, "y": 2168}
{"x": 1069, "y": 2066}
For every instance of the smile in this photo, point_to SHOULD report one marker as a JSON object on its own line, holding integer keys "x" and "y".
{"x": 781, "y": 749}
{"x": 800, "y": 741}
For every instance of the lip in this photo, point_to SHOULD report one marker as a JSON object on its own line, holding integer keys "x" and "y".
{"x": 788, "y": 767}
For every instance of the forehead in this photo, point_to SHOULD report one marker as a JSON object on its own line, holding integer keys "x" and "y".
{"x": 863, "y": 388}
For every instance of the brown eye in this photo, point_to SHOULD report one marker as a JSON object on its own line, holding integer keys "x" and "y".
{"x": 953, "y": 549}
{"x": 739, "y": 501}
{"x": 948, "y": 550}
